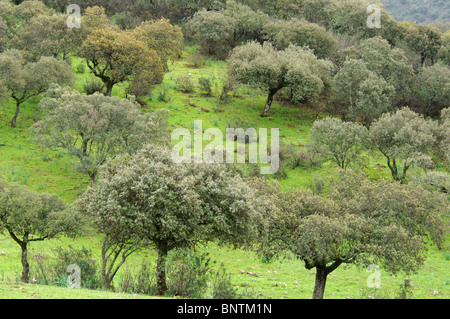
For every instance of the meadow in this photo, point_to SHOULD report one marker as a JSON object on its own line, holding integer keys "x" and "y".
{"x": 24, "y": 162}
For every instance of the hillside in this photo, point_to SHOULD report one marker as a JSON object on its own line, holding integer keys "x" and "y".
{"x": 419, "y": 11}
{"x": 52, "y": 171}
{"x": 354, "y": 122}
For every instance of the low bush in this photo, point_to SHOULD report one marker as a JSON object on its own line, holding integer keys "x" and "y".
{"x": 92, "y": 86}
{"x": 53, "y": 270}
{"x": 188, "y": 273}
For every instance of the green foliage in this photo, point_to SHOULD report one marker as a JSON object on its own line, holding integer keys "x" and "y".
{"x": 3, "y": 35}
{"x": 248, "y": 24}
{"x": 93, "y": 86}
{"x": 302, "y": 33}
{"x": 115, "y": 56}
{"x": 28, "y": 216}
{"x": 444, "y": 51}
{"x": 196, "y": 60}
{"x": 363, "y": 95}
{"x": 403, "y": 138}
{"x": 205, "y": 85}
{"x": 213, "y": 31}
{"x": 53, "y": 270}
{"x": 270, "y": 70}
{"x": 96, "y": 127}
{"x": 387, "y": 62}
{"x": 444, "y": 135}
{"x": 222, "y": 287}
{"x": 188, "y": 272}
{"x": 24, "y": 80}
{"x": 338, "y": 141}
{"x": 418, "y": 11}
{"x": 433, "y": 181}
{"x": 138, "y": 281}
{"x": 16, "y": 17}
{"x": 48, "y": 35}
{"x": 356, "y": 221}
{"x": 432, "y": 88}
{"x": 185, "y": 84}
{"x": 425, "y": 40}
{"x": 211, "y": 202}
{"x": 81, "y": 68}
{"x": 162, "y": 37}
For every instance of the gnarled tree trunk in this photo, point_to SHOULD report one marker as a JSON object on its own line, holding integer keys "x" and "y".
{"x": 14, "y": 119}
{"x": 268, "y": 105}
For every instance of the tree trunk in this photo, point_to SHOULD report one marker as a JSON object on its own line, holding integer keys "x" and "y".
{"x": 26, "y": 266}
{"x": 107, "y": 283}
{"x": 272, "y": 93}
{"x": 321, "y": 278}
{"x": 161, "y": 269}
{"x": 109, "y": 88}
{"x": 92, "y": 177}
{"x": 14, "y": 119}
{"x": 422, "y": 59}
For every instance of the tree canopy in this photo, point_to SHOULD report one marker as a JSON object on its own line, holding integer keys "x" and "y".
{"x": 357, "y": 221}
{"x": 364, "y": 96}
{"x": 48, "y": 35}
{"x": 270, "y": 70}
{"x": 302, "y": 33}
{"x": 338, "y": 141}
{"x": 171, "y": 205}
{"x": 403, "y": 138}
{"x": 115, "y": 56}
{"x": 161, "y": 37}
{"x": 96, "y": 127}
{"x": 29, "y": 216}
{"x": 24, "y": 80}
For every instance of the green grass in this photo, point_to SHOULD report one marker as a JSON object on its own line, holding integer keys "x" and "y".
{"x": 23, "y": 161}
{"x": 31, "y": 291}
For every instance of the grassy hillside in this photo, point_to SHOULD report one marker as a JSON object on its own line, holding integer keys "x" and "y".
{"x": 22, "y": 161}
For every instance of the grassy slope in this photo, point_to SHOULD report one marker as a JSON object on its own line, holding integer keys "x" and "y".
{"x": 52, "y": 171}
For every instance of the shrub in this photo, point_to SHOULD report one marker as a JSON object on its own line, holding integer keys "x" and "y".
{"x": 185, "y": 84}
{"x": 222, "y": 287}
{"x": 163, "y": 94}
{"x": 196, "y": 60}
{"x": 205, "y": 86}
{"x": 433, "y": 181}
{"x": 92, "y": 86}
{"x": 142, "y": 281}
{"x": 188, "y": 272}
{"x": 224, "y": 92}
{"x": 53, "y": 271}
{"x": 81, "y": 68}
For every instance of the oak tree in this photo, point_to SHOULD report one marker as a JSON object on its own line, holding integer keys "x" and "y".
{"x": 403, "y": 138}
{"x": 48, "y": 35}
{"x": 96, "y": 127}
{"x": 355, "y": 221}
{"x": 148, "y": 197}
{"x": 162, "y": 37}
{"x": 338, "y": 141}
{"x": 28, "y": 216}
{"x": 270, "y": 70}
{"x": 24, "y": 80}
{"x": 115, "y": 56}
